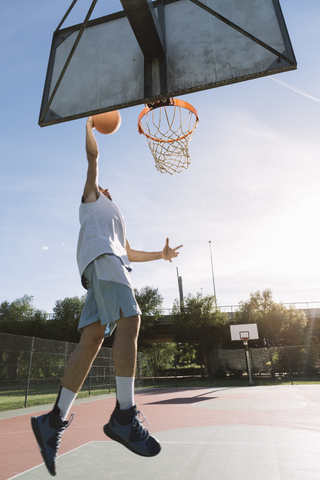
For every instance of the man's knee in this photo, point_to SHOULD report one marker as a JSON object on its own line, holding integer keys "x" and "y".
{"x": 93, "y": 335}
{"x": 129, "y": 325}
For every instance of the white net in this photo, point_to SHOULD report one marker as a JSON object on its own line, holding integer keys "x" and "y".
{"x": 168, "y": 130}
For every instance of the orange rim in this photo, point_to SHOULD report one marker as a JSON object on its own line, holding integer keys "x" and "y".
{"x": 174, "y": 102}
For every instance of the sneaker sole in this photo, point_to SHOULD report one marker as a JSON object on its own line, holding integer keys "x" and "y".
{"x": 119, "y": 439}
{"x": 37, "y": 434}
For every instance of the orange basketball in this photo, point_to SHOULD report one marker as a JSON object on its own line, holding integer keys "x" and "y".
{"x": 107, "y": 122}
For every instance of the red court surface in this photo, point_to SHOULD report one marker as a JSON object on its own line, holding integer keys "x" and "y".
{"x": 251, "y": 433}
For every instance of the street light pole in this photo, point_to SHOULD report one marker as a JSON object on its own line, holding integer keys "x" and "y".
{"x": 214, "y": 286}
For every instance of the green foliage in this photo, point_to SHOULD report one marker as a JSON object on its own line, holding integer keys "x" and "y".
{"x": 277, "y": 324}
{"x": 159, "y": 356}
{"x": 20, "y": 317}
{"x": 19, "y": 310}
{"x": 186, "y": 354}
{"x": 150, "y": 303}
{"x": 69, "y": 309}
{"x": 67, "y": 314}
{"x": 301, "y": 360}
{"x": 199, "y": 325}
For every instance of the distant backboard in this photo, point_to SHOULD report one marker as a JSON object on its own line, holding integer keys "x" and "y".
{"x": 150, "y": 51}
{"x": 248, "y": 331}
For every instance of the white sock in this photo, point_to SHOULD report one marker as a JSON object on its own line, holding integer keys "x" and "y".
{"x": 125, "y": 392}
{"x": 65, "y": 401}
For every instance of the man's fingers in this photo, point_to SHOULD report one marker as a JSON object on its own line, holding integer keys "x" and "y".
{"x": 170, "y": 252}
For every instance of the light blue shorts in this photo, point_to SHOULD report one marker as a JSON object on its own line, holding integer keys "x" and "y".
{"x": 105, "y": 300}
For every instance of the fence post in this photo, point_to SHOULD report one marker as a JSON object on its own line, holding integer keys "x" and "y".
{"x": 110, "y": 358}
{"x": 253, "y": 369}
{"x": 175, "y": 369}
{"x": 210, "y": 366}
{"x": 138, "y": 371}
{"x": 29, "y": 373}
{"x": 65, "y": 354}
{"x": 143, "y": 358}
{"x": 289, "y": 365}
{"x": 141, "y": 367}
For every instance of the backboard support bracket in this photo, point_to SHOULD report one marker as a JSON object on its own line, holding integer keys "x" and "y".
{"x": 145, "y": 26}
{"x": 242, "y": 31}
{"x": 155, "y": 68}
{"x": 148, "y": 28}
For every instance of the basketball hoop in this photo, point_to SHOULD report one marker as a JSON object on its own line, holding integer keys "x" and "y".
{"x": 244, "y": 336}
{"x": 168, "y": 132}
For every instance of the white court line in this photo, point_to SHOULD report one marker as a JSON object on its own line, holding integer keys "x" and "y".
{"x": 243, "y": 443}
{"x": 227, "y": 443}
{"x": 62, "y": 455}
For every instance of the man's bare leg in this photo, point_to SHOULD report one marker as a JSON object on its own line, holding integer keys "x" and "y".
{"x": 49, "y": 427}
{"x": 124, "y": 425}
{"x": 78, "y": 367}
{"x": 125, "y": 358}
{"x": 125, "y": 346}
{"x": 80, "y": 362}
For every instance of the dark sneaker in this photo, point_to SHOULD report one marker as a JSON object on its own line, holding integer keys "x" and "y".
{"x": 48, "y": 429}
{"x": 125, "y": 427}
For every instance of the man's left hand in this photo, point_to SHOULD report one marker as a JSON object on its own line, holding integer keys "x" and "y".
{"x": 169, "y": 253}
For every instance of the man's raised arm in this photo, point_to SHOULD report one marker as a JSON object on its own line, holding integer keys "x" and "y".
{"x": 138, "y": 256}
{"x": 91, "y": 189}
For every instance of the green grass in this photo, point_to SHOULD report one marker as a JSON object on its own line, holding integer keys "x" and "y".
{"x": 13, "y": 398}
{"x": 227, "y": 382}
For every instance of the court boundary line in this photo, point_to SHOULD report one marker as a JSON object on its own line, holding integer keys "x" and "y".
{"x": 39, "y": 465}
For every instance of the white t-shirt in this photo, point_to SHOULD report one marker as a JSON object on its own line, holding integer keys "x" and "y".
{"x": 102, "y": 231}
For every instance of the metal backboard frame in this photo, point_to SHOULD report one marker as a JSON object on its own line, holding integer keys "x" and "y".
{"x": 114, "y": 62}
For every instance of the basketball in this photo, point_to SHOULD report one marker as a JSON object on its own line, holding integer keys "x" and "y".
{"x": 108, "y": 122}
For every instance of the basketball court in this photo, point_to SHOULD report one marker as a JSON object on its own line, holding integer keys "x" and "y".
{"x": 146, "y": 54}
{"x": 222, "y": 433}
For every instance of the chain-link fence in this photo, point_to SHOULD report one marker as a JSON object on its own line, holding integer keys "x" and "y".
{"x": 35, "y": 366}
{"x": 274, "y": 365}
{"x": 274, "y": 362}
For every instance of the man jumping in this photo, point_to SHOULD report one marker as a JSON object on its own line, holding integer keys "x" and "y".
{"x": 104, "y": 257}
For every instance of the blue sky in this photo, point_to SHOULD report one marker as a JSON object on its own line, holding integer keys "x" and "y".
{"x": 252, "y": 188}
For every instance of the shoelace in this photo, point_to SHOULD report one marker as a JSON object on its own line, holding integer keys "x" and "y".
{"x": 60, "y": 431}
{"x": 69, "y": 421}
{"x": 138, "y": 427}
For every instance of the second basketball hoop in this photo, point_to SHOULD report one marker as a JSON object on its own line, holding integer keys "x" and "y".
{"x": 168, "y": 127}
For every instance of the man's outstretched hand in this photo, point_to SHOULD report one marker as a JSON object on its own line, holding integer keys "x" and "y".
{"x": 169, "y": 253}
{"x": 89, "y": 123}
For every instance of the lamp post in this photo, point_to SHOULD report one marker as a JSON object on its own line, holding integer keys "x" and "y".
{"x": 214, "y": 286}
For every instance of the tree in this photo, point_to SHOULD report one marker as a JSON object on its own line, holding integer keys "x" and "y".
{"x": 150, "y": 303}
{"x": 199, "y": 325}
{"x": 67, "y": 314}
{"x": 159, "y": 356}
{"x": 21, "y": 318}
{"x": 277, "y": 324}
{"x": 19, "y": 310}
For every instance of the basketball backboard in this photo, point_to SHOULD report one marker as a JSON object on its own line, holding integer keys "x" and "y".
{"x": 244, "y": 332}
{"x": 151, "y": 51}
